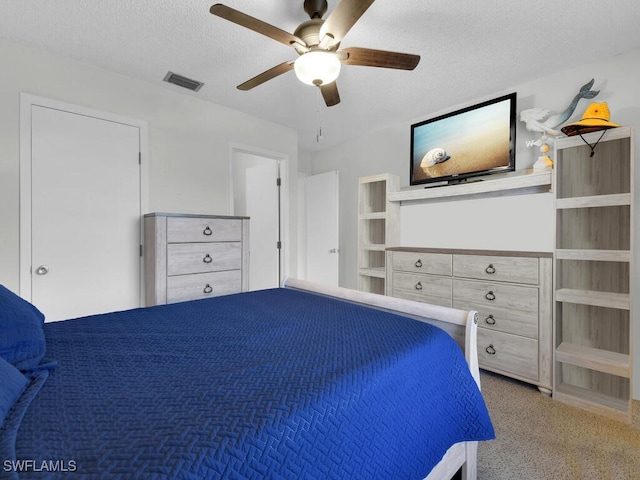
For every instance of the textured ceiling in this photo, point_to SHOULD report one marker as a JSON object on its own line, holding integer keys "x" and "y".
{"x": 469, "y": 49}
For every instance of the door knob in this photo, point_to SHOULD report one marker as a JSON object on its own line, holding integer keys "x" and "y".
{"x": 42, "y": 270}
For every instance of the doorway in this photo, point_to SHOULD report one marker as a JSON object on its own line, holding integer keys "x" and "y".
{"x": 258, "y": 191}
{"x": 80, "y": 208}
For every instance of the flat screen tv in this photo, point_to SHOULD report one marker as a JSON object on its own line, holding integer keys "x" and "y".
{"x": 473, "y": 141}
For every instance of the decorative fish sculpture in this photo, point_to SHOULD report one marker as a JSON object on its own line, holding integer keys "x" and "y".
{"x": 536, "y": 119}
{"x": 433, "y": 157}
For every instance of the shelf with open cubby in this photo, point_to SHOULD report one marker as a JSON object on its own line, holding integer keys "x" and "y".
{"x": 593, "y": 269}
{"x": 377, "y": 229}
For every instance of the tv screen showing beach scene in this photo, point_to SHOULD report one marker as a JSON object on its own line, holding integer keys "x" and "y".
{"x": 474, "y": 141}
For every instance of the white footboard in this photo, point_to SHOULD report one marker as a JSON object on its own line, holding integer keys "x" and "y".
{"x": 460, "y": 324}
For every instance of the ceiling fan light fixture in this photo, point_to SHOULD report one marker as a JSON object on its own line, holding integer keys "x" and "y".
{"x": 317, "y": 68}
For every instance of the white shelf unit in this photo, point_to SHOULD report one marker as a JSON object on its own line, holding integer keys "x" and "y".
{"x": 378, "y": 227}
{"x": 520, "y": 182}
{"x": 593, "y": 269}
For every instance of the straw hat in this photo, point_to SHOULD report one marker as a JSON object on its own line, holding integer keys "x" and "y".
{"x": 596, "y": 117}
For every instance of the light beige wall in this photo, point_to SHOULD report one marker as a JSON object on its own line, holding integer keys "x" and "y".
{"x": 491, "y": 220}
{"x": 189, "y": 139}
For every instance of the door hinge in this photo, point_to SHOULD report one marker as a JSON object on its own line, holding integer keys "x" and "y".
{"x": 278, "y": 182}
{"x": 139, "y": 158}
{"x": 140, "y": 250}
{"x": 279, "y": 245}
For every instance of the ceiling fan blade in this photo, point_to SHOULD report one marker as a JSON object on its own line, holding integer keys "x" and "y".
{"x": 378, "y": 58}
{"x": 340, "y": 21}
{"x": 266, "y": 75}
{"x": 254, "y": 24}
{"x": 330, "y": 94}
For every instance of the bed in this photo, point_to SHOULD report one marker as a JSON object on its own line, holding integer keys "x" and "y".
{"x": 303, "y": 381}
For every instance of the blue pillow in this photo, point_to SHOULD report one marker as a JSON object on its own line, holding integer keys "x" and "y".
{"x": 22, "y": 340}
{"x": 12, "y": 383}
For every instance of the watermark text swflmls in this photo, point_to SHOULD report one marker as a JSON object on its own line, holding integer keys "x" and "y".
{"x": 30, "y": 465}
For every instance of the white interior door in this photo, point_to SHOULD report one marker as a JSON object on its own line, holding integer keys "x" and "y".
{"x": 85, "y": 214}
{"x": 322, "y": 218}
{"x": 262, "y": 206}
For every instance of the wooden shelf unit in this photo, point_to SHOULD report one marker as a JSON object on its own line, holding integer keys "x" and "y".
{"x": 378, "y": 227}
{"x": 593, "y": 268}
{"x": 595, "y": 358}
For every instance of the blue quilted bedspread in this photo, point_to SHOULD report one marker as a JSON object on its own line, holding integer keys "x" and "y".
{"x": 270, "y": 384}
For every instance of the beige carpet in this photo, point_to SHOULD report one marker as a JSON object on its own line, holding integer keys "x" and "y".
{"x": 540, "y": 438}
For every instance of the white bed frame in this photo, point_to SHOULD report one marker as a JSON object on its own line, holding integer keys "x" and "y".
{"x": 460, "y": 324}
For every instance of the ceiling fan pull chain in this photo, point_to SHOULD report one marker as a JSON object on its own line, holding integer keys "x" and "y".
{"x": 319, "y": 134}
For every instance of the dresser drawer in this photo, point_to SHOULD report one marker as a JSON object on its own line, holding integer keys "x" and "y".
{"x": 422, "y": 288}
{"x": 203, "y": 285}
{"x": 507, "y": 353}
{"x": 203, "y": 257}
{"x": 505, "y": 308}
{"x": 186, "y": 229}
{"x": 497, "y": 268}
{"x": 432, "y": 263}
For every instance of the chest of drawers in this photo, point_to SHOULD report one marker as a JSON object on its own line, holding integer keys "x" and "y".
{"x": 512, "y": 292}
{"x": 189, "y": 257}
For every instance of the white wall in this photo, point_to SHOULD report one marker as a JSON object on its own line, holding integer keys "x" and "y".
{"x": 512, "y": 223}
{"x": 501, "y": 223}
{"x": 189, "y": 139}
{"x": 388, "y": 151}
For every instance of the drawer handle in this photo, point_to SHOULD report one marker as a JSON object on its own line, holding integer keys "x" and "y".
{"x": 207, "y": 231}
{"x": 419, "y": 286}
{"x": 207, "y": 259}
{"x": 418, "y": 264}
{"x": 490, "y": 296}
{"x": 207, "y": 288}
{"x": 490, "y": 269}
{"x": 490, "y": 320}
{"x": 490, "y": 350}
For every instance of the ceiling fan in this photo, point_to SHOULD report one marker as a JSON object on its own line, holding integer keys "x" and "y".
{"x": 317, "y": 43}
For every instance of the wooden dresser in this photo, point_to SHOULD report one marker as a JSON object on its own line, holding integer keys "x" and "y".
{"x": 512, "y": 292}
{"x": 190, "y": 257}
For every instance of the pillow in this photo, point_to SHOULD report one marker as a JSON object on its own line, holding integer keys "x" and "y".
{"x": 22, "y": 340}
{"x": 12, "y": 383}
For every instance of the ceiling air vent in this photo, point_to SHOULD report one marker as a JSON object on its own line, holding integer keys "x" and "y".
{"x": 183, "y": 82}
